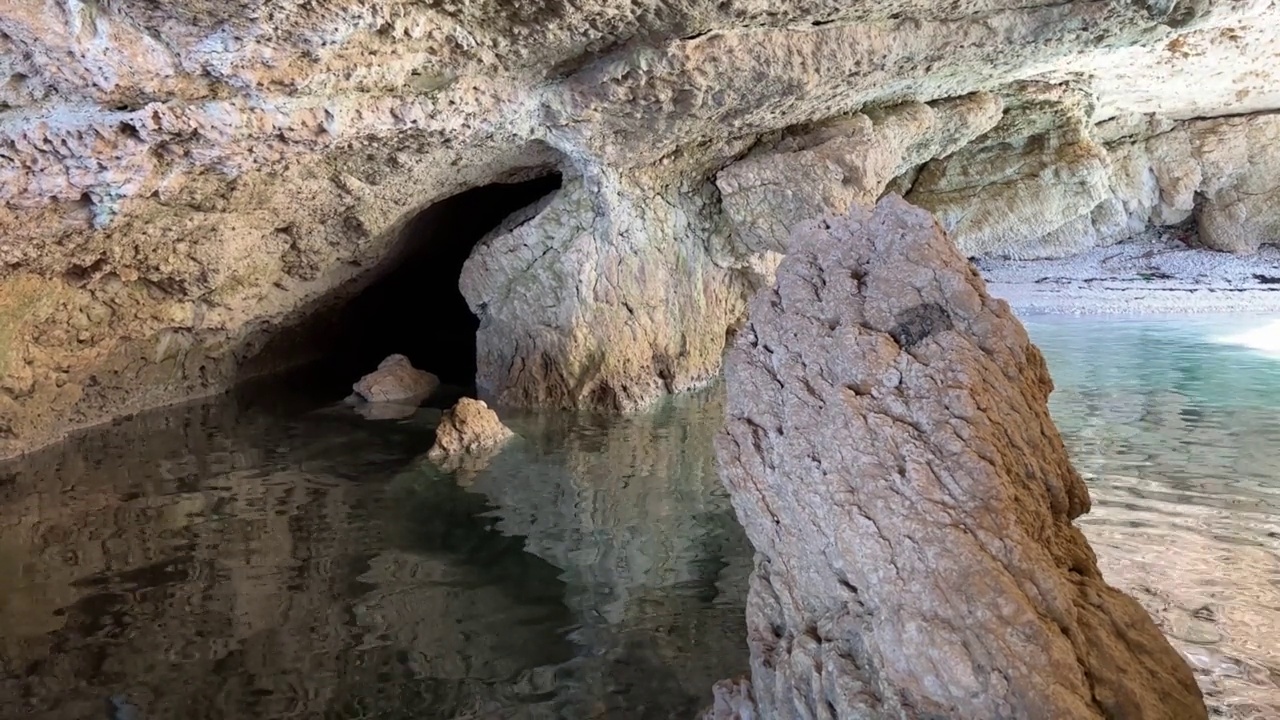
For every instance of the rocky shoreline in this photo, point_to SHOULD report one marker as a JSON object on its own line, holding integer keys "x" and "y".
{"x": 1158, "y": 273}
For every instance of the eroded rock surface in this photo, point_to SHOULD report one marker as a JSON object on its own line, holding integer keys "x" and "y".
{"x": 835, "y": 167}
{"x": 1047, "y": 182}
{"x": 890, "y": 453}
{"x": 731, "y": 700}
{"x": 396, "y": 381}
{"x": 470, "y": 427}
{"x": 180, "y": 182}
{"x": 609, "y": 296}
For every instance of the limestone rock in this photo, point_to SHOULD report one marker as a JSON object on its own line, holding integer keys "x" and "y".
{"x": 1035, "y": 173}
{"x": 841, "y": 165}
{"x": 1232, "y": 165}
{"x": 1028, "y": 191}
{"x": 609, "y": 295}
{"x": 469, "y": 428}
{"x": 890, "y": 453}
{"x": 396, "y": 381}
{"x": 184, "y": 180}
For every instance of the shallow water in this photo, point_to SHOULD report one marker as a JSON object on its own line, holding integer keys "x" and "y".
{"x": 281, "y": 560}
{"x": 272, "y": 556}
{"x": 1175, "y": 423}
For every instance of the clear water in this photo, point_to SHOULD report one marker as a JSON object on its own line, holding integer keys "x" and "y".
{"x": 272, "y": 557}
{"x": 285, "y": 561}
{"x": 1175, "y": 423}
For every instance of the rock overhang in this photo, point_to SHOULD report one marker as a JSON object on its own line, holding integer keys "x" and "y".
{"x": 162, "y": 161}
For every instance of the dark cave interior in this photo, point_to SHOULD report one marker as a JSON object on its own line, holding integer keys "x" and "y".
{"x": 416, "y": 308}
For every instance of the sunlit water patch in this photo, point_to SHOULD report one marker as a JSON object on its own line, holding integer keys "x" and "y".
{"x": 1262, "y": 338}
{"x": 287, "y": 558}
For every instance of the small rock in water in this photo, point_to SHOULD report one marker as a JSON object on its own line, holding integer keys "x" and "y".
{"x": 383, "y": 410}
{"x": 470, "y": 428}
{"x": 396, "y": 381}
{"x": 732, "y": 701}
{"x": 1194, "y": 630}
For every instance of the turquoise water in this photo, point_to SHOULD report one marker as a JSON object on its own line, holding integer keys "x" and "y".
{"x": 275, "y": 555}
{"x": 1178, "y": 434}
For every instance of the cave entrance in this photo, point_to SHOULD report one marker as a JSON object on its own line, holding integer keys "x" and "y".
{"x": 416, "y": 309}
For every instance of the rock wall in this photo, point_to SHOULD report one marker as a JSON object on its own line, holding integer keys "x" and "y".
{"x": 841, "y": 165}
{"x": 609, "y": 296}
{"x": 889, "y": 450}
{"x": 179, "y": 183}
{"x": 1073, "y": 186}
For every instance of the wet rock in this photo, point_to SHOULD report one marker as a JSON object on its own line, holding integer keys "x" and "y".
{"x": 396, "y": 381}
{"x": 890, "y": 453}
{"x": 1194, "y": 630}
{"x": 470, "y": 428}
{"x": 732, "y": 701}
{"x": 382, "y": 410}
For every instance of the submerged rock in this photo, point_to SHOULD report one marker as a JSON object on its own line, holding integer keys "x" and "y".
{"x": 890, "y": 453}
{"x": 396, "y": 381}
{"x": 469, "y": 428}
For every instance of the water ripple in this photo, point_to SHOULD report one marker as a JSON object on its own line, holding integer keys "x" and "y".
{"x": 1177, "y": 434}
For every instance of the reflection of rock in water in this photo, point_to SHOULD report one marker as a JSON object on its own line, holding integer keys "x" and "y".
{"x": 223, "y": 562}
{"x": 215, "y": 563}
{"x": 631, "y": 511}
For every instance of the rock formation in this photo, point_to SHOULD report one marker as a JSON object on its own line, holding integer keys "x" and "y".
{"x": 890, "y": 453}
{"x": 470, "y": 427}
{"x": 834, "y": 167}
{"x": 731, "y": 700}
{"x": 396, "y": 381}
{"x": 1072, "y": 186}
{"x": 178, "y": 184}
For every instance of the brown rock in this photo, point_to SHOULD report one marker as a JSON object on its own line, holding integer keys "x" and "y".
{"x": 890, "y": 453}
{"x": 396, "y": 381}
{"x": 468, "y": 428}
{"x": 175, "y": 195}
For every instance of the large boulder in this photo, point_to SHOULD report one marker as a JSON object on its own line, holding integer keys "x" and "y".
{"x": 890, "y": 453}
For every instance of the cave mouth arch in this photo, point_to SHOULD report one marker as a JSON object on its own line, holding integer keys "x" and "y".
{"x": 414, "y": 307}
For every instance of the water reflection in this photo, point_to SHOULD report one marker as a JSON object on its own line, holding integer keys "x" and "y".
{"x": 1179, "y": 437}
{"x": 277, "y": 559}
{"x": 233, "y": 561}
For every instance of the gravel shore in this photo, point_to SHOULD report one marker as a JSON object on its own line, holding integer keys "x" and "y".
{"x": 1157, "y": 274}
